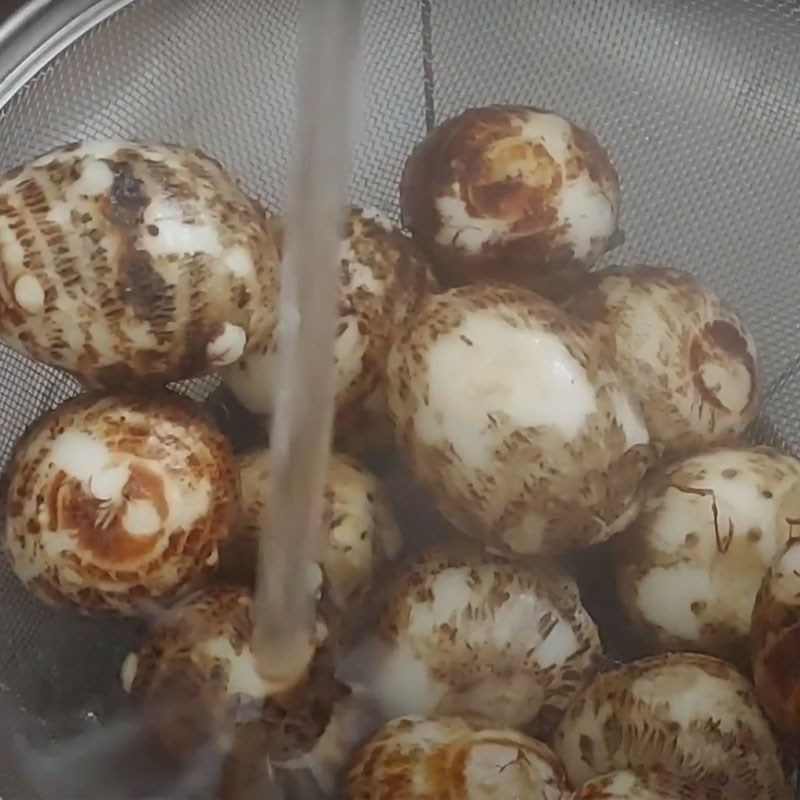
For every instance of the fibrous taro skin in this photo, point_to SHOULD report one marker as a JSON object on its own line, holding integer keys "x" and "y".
{"x": 685, "y": 353}
{"x": 690, "y": 566}
{"x": 775, "y": 641}
{"x": 691, "y": 715}
{"x": 384, "y": 278}
{"x": 197, "y": 682}
{"x": 511, "y": 194}
{"x": 460, "y": 631}
{"x": 627, "y": 785}
{"x": 453, "y": 758}
{"x": 511, "y": 416}
{"x": 117, "y": 502}
{"x": 128, "y": 262}
{"x": 361, "y": 536}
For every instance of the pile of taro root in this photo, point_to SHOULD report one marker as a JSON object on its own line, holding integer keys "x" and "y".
{"x": 553, "y": 566}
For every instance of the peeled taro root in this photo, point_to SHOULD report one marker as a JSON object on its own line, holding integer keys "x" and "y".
{"x": 684, "y": 351}
{"x": 513, "y": 419}
{"x": 690, "y": 715}
{"x": 115, "y": 503}
{"x": 511, "y": 194}
{"x": 156, "y": 267}
{"x": 384, "y": 278}
{"x": 453, "y": 758}
{"x": 690, "y": 567}
{"x": 626, "y": 785}
{"x": 775, "y": 641}
{"x": 462, "y": 632}
{"x": 196, "y": 680}
{"x": 361, "y": 534}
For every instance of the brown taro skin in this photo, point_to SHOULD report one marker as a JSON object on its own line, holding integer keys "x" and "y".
{"x": 115, "y": 503}
{"x": 691, "y": 715}
{"x": 626, "y": 785}
{"x": 511, "y": 194}
{"x": 775, "y": 642}
{"x": 454, "y": 758}
{"x": 685, "y": 352}
{"x": 196, "y": 679}
{"x": 131, "y": 262}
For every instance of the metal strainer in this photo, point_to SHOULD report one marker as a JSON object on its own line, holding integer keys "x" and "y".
{"x": 698, "y": 102}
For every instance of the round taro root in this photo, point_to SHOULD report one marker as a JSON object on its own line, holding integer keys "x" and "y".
{"x": 157, "y": 267}
{"x": 775, "y": 641}
{"x": 197, "y": 682}
{"x": 362, "y": 535}
{"x": 510, "y": 415}
{"x": 116, "y": 502}
{"x": 690, "y": 567}
{"x": 453, "y": 758}
{"x": 626, "y": 785}
{"x": 512, "y": 194}
{"x": 690, "y": 715}
{"x": 383, "y": 278}
{"x": 685, "y": 353}
{"x": 463, "y": 632}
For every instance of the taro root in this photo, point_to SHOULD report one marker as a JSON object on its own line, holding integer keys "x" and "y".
{"x": 460, "y": 631}
{"x": 129, "y": 262}
{"x": 686, "y": 354}
{"x": 690, "y": 567}
{"x": 690, "y": 715}
{"x": 626, "y": 785}
{"x": 361, "y": 535}
{"x": 454, "y": 758}
{"x": 513, "y": 419}
{"x": 383, "y": 279}
{"x": 511, "y": 194}
{"x": 115, "y": 503}
{"x": 775, "y": 641}
{"x": 196, "y": 680}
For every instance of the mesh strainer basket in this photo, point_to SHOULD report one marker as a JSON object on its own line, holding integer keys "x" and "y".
{"x": 697, "y": 100}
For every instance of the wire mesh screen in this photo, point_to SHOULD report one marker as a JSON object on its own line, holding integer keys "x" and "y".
{"x": 697, "y": 100}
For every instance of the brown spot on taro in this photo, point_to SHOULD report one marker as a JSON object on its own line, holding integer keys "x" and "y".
{"x": 142, "y": 284}
{"x": 698, "y": 606}
{"x": 126, "y": 199}
{"x": 720, "y": 342}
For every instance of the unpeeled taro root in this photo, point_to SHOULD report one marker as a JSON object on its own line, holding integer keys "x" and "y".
{"x": 775, "y": 641}
{"x": 453, "y": 758}
{"x": 117, "y": 502}
{"x": 690, "y": 567}
{"x": 511, "y": 194}
{"x": 686, "y": 354}
{"x": 128, "y": 262}
{"x": 690, "y": 715}
{"x": 512, "y": 417}
{"x": 627, "y": 785}
{"x": 196, "y": 681}
{"x": 361, "y": 535}
{"x": 383, "y": 279}
{"x": 463, "y": 632}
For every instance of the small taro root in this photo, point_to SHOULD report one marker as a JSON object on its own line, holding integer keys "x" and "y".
{"x": 383, "y": 279}
{"x": 196, "y": 680}
{"x": 686, "y": 354}
{"x": 511, "y": 194}
{"x": 157, "y": 267}
{"x": 690, "y": 715}
{"x": 362, "y": 535}
{"x": 460, "y": 631}
{"x": 116, "y": 502}
{"x": 689, "y": 569}
{"x": 775, "y": 642}
{"x": 510, "y": 415}
{"x": 454, "y": 758}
